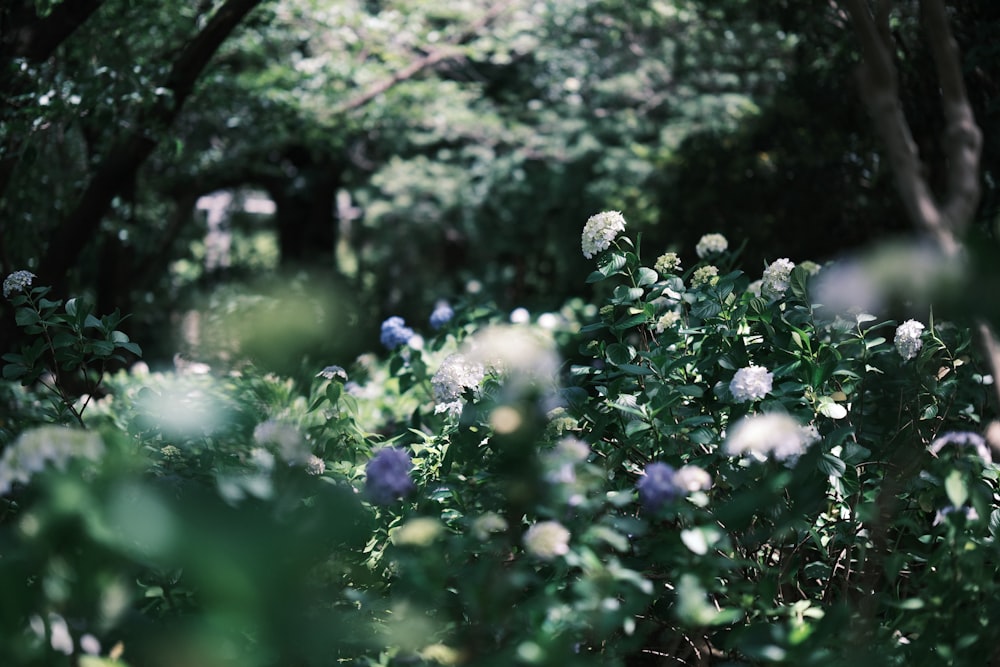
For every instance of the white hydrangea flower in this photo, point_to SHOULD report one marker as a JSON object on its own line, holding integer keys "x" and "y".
{"x": 907, "y": 339}
{"x": 17, "y": 282}
{"x": 547, "y": 540}
{"x": 285, "y": 438}
{"x": 775, "y": 281}
{"x": 705, "y": 275}
{"x": 667, "y": 320}
{"x": 711, "y": 244}
{"x": 455, "y": 375}
{"x": 691, "y": 478}
{"x": 770, "y": 435}
{"x": 667, "y": 263}
{"x": 522, "y": 354}
{"x": 751, "y": 383}
{"x": 46, "y": 446}
{"x": 600, "y": 231}
{"x": 487, "y": 524}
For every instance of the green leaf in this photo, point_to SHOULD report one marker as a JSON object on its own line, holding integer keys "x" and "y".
{"x": 25, "y": 317}
{"x": 646, "y": 276}
{"x": 955, "y": 487}
{"x": 831, "y": 465}
{"x": 14, "y": 371}
{"x": 619, "y": 354}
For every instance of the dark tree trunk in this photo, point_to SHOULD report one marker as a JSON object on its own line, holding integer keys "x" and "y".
{"x": 306, "y": 218}
{"x": 131, "y": 151}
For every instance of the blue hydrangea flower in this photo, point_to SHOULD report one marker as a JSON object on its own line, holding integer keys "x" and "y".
{"x": 395, "y": 332}
{"x": 441, "y": 315}
{"x": 387, "y": 476}
{"x": 657, "y": 486}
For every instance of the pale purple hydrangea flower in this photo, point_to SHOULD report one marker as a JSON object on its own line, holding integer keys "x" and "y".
{"x": 441, "y": 315}
{"x": 17, "y": 282}
{"x": 751, "y": 384}
{"x": 711, "y": 244}
{"x": 600, "y": 232}
{"x": 657, "y": 486}
{"x": 770, "y": 435}
{"x": 962, "y": 439}
{"x": 547, "y": 540}
{"x": 775, "y": 281}
{"x": 395, "y": 332}
{"x": 907, "y": 339}
{"x": 387, "y": 476}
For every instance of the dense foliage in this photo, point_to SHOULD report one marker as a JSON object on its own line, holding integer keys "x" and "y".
{"x": 378, "y": 424}
{"x": 723, "y": 468}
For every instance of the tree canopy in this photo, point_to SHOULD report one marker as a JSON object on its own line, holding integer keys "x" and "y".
{"x": 412, "y": 148}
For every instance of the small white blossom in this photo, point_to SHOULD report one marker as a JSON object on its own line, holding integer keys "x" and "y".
{"x": 770, "y": 435}
{"x": 711, "y": 244}
{"x": 751, "y": 384}
{"x": 285, "y": 438}
{"x": 90, "y": 645}
{"x": 17, "y": 282}
{"x": 487, "y": 524}
{"x": 547, "y": 540}
{"x": 600, "y": 231}
{"x": 315, "y": 465}
{"x": 775, "y": 281}
{"x": 907, "y": 339}
{"x": 691, "y": 478}
{"x": 667, "y": 320}
{"x": 59, "y": 637}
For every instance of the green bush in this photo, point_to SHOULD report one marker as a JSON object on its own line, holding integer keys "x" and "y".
{"x": 705, "y": 469}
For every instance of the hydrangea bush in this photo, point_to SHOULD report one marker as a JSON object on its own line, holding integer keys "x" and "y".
{"x": 693, "y": 472}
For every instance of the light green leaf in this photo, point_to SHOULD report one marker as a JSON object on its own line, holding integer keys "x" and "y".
{"x": 955, "y": 487}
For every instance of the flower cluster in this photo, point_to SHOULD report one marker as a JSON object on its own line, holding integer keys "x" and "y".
{"x": 17, "y": 282}
{"x": 600, "y": 231}
{"x": 775, "y": 281}
{"x": 711, "y": 244}
{"x": 455, "y": 375}
{"x": 34, "y": 450}
{"x": 333, "y": 373}
{"x": 705, "y": 275}
{"x": 751, "y": 384}
{"x": 691, "y": 478}
{"x": 387, "y": 476}
{"x": 285, "y": 438}
{"x": 770, "y": 435}
{"x": 667, "y": 263}
{"x": 660, "y": 483}
{"x": 962, "y": 439}
{"x": 395, "y": 332}
{"x": 547, "y": 540}
{"x": 657, "y": 486}
{"x": 907, "y": 339}
{"x": 667, "y": 320}
{"x": 441, "y": 315}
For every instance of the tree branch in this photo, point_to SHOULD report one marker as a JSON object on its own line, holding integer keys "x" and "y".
{"x": 879, "y": 85}
{"x": 129, "y": 152}
{"x": 24, "y": 34}
{"x": 963, "y": 139}
{"x": 427, "y": 61}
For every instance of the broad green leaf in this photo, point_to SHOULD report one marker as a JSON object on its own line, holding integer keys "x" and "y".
{"x": 955, "y": 487}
